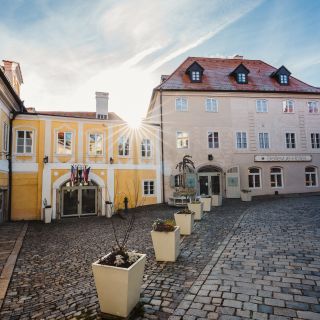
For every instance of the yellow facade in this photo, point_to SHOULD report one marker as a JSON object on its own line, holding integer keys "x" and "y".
{"x": 44, "y": 173}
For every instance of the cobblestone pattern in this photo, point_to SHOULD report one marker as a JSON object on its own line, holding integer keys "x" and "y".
{"x": 53, "y": 278}
{"x": 270, "y": 268}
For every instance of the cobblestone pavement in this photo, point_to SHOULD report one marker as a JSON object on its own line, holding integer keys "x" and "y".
{"x": 269, "y": 268}
{"x": 53, "y": 278}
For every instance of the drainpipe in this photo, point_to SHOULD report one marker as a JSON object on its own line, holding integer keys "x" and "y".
{"x": 9, "y": 157}
{"x": 162, "y": 149}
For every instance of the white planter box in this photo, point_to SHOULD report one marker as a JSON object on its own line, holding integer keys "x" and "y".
{"x": 216, "y": 200}
{"x": 206, "y": 203}
{"x": 47, "y": 215}
{"x": 246, "y": 196}
{"x": 197, "y": 208}
{"x": 118, "y": 288}
{"x": 166, "y": 244}
{"x": 185, "y": 222}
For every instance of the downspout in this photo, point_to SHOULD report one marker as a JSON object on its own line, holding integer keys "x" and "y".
{"x": 9, "y": 157}
{"x": 162, "y": 149}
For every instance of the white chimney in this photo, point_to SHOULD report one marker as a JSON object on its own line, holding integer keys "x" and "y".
{"x": 102, "y": 105}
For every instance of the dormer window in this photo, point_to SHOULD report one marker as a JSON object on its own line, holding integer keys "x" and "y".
{"x": 195, "y": 72}
{"x": 240, "y": 73}
{"x": 282, "y": 75}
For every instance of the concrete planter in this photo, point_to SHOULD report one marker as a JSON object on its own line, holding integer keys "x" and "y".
{"x": 47, "y": 215}
{"x": 216, "y": 200}
{"x": 185, "y": 222}
{"x": 245, "y": 196}
{"x": 206, "y": 203}
{"x": 197, "y": 208}
{"x": 166, "y": 244}
{"x": 118, "y": 288}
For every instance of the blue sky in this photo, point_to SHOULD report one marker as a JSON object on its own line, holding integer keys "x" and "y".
{"x": 70, "y": 49}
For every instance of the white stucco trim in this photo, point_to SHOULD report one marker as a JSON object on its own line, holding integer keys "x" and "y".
{"x": 47, "y": 138}
{"x": 80, "y": 142}
{"x": 110, "y": 183}
{"x": 158, "y": 168}
{"x": 104, "y": 166}
{"x": 25, "y": 167}
{"x": 46, "y": 185}
{"x": 110, "y": 142}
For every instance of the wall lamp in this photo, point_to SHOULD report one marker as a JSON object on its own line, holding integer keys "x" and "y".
{"x": 46, "y": 159}
{"x": 111, "y": 160}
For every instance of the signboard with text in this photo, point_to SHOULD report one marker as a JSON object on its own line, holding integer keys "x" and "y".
{"x": 283, "y": 158}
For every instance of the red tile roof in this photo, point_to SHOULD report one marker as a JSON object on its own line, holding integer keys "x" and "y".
{"x": 75, "y": 114}
{"x": 216, "y": 77}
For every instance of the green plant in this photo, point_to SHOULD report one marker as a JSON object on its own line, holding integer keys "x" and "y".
{"x": 245, "y": 190}
{"x": 185, "y": 211}
{"x": 195, "y": 202}
{"x": 162, "y": 225}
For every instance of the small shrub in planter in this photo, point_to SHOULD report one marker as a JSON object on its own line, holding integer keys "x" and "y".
{"x": 166, "y": 240}
{"x": 185, "y": 219}
{"x": 118, "y": 277}
{"x": 245, "y": 195}
{"x": 197, "y": 208}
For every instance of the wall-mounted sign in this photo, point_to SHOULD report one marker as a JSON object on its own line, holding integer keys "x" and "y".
{"x": 284, "y": 158}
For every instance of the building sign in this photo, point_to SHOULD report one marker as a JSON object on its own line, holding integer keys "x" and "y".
{"x": 284, "y": 158}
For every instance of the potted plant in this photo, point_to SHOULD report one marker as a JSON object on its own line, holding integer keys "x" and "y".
{"x": 184, "y": 219}
{"x": 206, "y": 200}
{"x": 47, "y": 211}
{"x": 245, "y": 195}
{"x": 118, "y": 277}
{"x": 166, "y": 239}
{"x": 197, "y": 208}
{"x": 216, "y": 200}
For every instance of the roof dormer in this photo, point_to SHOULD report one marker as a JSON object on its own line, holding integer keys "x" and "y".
{"x": 195, "y": 72}
{"x": 240, "y": 73}
{"x": 282, "y": 75}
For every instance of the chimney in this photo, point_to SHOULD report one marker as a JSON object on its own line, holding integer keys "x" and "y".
{"x": 164, "y": 77}
{"x": 238, "y": 56}
{"x": 13, "y": 73}
{"x": 102, "y": 105}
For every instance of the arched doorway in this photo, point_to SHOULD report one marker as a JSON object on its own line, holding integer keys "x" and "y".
{"x": 209, "y": 180}
{"x": 80, "y": 200}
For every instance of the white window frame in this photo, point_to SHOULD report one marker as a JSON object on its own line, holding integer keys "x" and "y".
{"x": 123, "y": 140}
{"x": 214, "y": 146}
{"x": 195, "y": 75}
{"x": 241, "y": 77}
{"x": 288, "y": 106}
{"x": 64, "y": 144}
{"x": 275, "y": 175}
{"x": 213, "y": 106}
{"x": 188, "y": 139}
{"x": 284, "y": 79}
{"x": 309, "y": 174}
{"x": 95, "y": 154}
{"x": 289, "y": 143}
{"x": 5, "y": 137}
{"x": 254, "y": 174}
{"x": 313, "y": 107}
{"x": 182, "y": 108}
{"x": 24, "y": 142}
{"x": 263, "y": 145}
{"x": 315, "y": 140}
{"x": 148, "y": 194}
{"x": 241, "y": 142}
{"x": 262, "y": 106}
{"x": 148, "y": 149}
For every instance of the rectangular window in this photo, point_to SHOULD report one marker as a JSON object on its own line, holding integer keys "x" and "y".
{"x": 276, "y": 177}
{"x": 181, "y": 104}
{"x": 213, "y": 140}
{"x": 123, "y": 147}
{"x": 264, "y": 140}
{"x": 241, "y": 140}
{"x": 182, "y": 140}
{"x": 315, "y": 140}
{"x": 242, "y": 78}
{"x": 95, "y": 144}
{"x": 146, "y": 148}
{"x": 254, "y": 178}
{"x": 313, "y": 107}
{"x": 5, "y": 137}
{"x": 288, "y": 106}
{"x": 148, "y": 188}
{"x": 64, "y": 142}
{"x": 311, "y": 177}
{"x": 290, "y": 140}
{"x": 24, "y": 141}
{"x": 261, "y": 106}
{"x": 211, "y": 105}
{"x": 195, "y": 75}
{"x": 283, "y": 79}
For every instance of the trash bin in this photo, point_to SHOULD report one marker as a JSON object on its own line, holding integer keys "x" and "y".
{"x": 108, "y": 209}
{"x": 47, "y": 214}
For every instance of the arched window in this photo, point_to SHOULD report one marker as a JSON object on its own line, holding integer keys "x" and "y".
{"x": 276, "y": 177}
{"x": 311, "y": 177}
{"x": 254, "y": 178}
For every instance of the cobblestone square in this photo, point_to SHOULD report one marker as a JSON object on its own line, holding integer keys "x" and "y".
{"x": 258, "y": 260}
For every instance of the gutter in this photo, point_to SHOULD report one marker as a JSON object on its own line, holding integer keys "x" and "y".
{"x": 162, "y": 149}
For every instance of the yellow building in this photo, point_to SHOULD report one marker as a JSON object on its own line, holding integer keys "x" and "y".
{"x": 72, "y": 161}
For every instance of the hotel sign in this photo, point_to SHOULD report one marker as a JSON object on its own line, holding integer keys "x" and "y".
{"x": 282, "y": 158}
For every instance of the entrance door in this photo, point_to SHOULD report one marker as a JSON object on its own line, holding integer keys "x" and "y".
{"x": 88, "y": 200}
{"x": 209, "y": 183}
{"x": 233, "y": 183}
{"x": 215, "y": 184}
{"x": 204, "y": 185}
{"x": 70, "y": 201}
